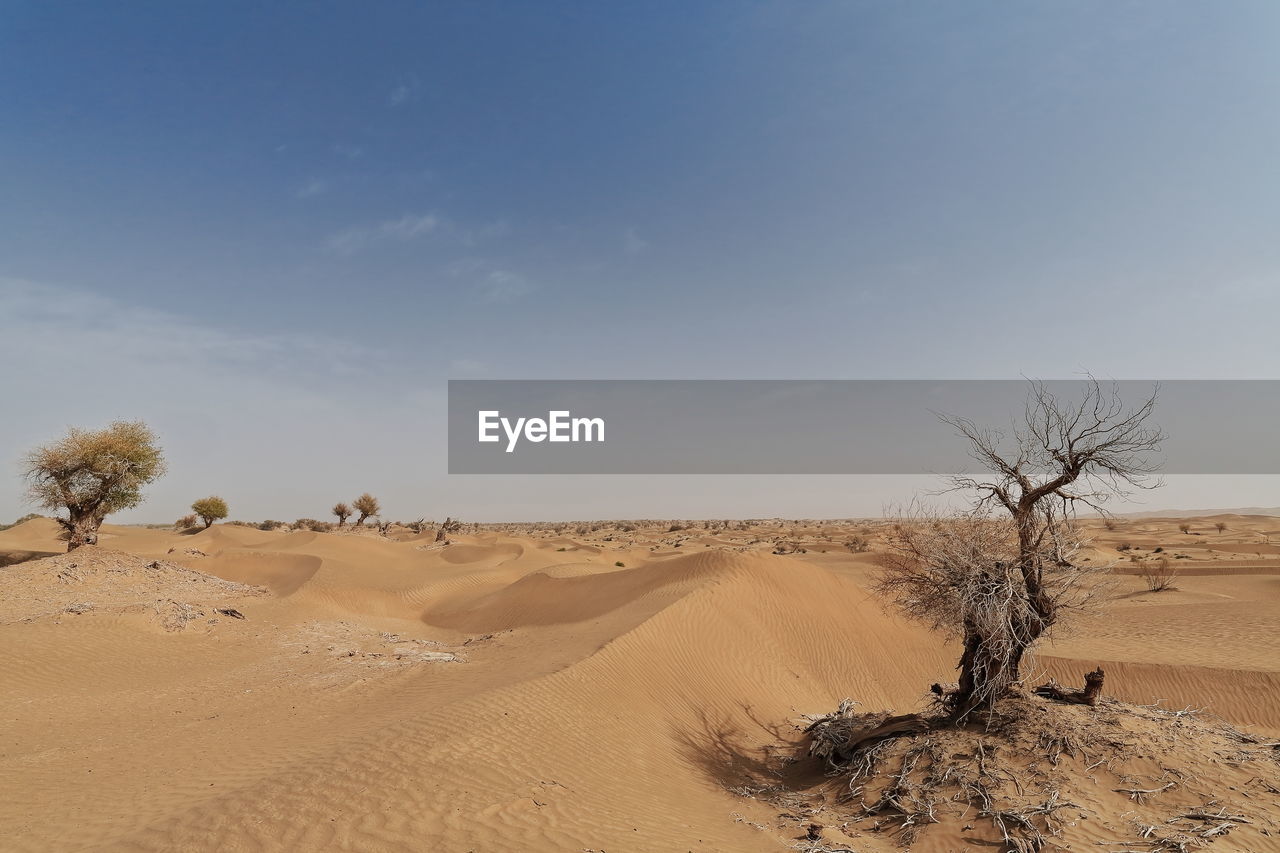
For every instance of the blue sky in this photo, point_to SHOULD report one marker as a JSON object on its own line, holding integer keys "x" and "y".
{"x": 276, "y": 230}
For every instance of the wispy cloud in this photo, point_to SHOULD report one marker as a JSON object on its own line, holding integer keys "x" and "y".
{"x": 633, "y": 243}
{"x": 412, "y": 226}
{"x": 88, "y": 359}
{"x": 399, "y": 95}
{"x": 482, "y": 233}
{"x": 492, "y": 282}
{"x": 351, "y": 152}
{"x": 312, "y": 188}
{"x": 504, "y": 286}
{"x": 467, "y": 367}
{"x": 403, "y": 92}
{"x": 53, "y": 323}
{"x": 361, "y": 237}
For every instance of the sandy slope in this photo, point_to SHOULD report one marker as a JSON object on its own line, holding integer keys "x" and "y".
{"x": 502, "y": 693}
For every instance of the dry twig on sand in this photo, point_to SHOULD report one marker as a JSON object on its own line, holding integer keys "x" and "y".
{"x": 1088, "y": 696}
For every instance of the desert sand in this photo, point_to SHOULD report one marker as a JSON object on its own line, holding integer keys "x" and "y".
{"x": 536, "y": 688}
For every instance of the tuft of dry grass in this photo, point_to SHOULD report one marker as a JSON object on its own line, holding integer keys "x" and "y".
{"x": 1160, "y": 575}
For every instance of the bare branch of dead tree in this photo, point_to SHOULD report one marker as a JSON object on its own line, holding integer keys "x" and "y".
{"x": 1003, "y": 573}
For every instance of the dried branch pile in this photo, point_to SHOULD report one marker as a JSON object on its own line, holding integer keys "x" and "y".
{"x": 1038, "y": 772}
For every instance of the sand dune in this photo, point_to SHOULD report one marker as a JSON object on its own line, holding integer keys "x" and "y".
{"x": 500, "y": 693}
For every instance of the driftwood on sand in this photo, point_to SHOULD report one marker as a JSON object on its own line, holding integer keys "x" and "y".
{"x": 1088, "y": 696}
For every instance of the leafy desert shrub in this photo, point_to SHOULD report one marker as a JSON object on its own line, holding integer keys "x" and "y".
{"x": 186, "y": 522}
{"x": 366, "y": 505}
{"x": 91, "y": 474}
{"x": 857, "y": 544}
{"x": 210, "y": 509}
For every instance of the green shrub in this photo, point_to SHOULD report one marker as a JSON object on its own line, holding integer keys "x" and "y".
{"x": 210, "y": 509}
{"x": 366, "y": 505}
{"x": 91, "y": 474}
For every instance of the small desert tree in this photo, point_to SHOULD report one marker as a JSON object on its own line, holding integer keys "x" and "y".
{"x": 366, "y": 505}
{"x": 1002, "y": 574}
{"x": 210, "y": 509}
{"x": 93, "y": 473}
{"x": 342, "y": 511}
{"x": 1220, "y": 526}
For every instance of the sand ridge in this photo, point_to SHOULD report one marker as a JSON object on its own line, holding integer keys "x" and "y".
{"x": 514, "y": 690}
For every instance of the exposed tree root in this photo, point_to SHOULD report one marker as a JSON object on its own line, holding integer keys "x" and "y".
{"x": 1088, "y": 696}
{"x": 838, "y": 736}
{"x": 1028, "y": 774}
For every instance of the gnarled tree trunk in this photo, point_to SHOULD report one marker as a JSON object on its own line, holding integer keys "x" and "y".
{"x": 991, "y": 665}
{"x": 986, "y": 673}
{"x": 82, "y": 529}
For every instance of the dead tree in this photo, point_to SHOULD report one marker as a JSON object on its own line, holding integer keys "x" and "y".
{"x": 1003, "y": 573}
{"x": 449, "y": 526}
